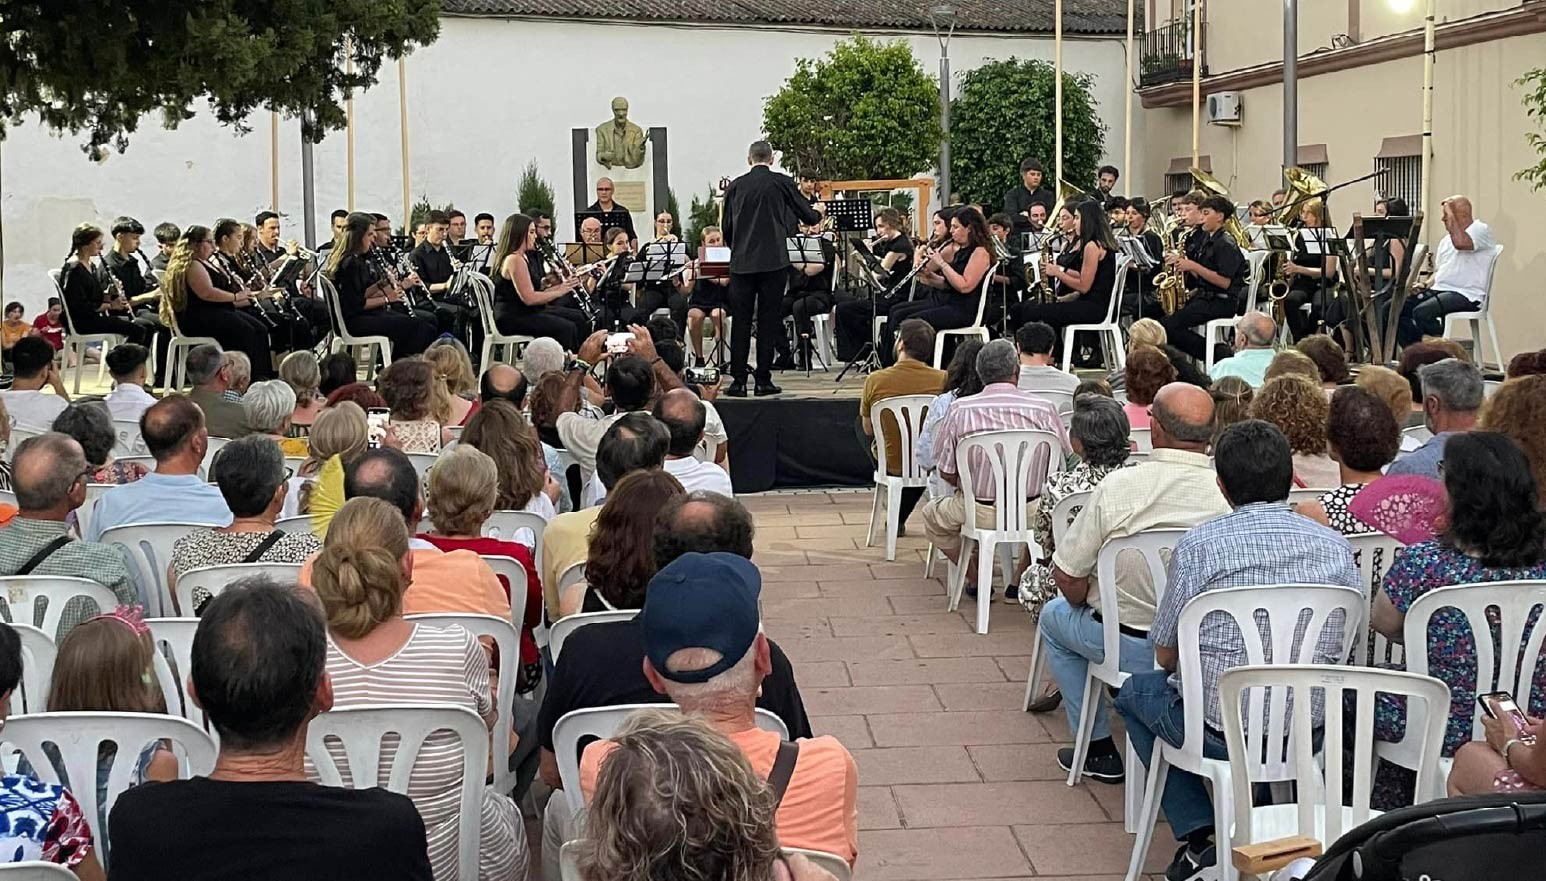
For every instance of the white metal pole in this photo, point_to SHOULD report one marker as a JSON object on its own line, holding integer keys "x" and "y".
{"x": 1057, "y": 101}
{"x": 1196, "y": 84}
{"x": 402, "y": 115}
{"x": 1290, "y": 83}
{"x": 273, "y": 149}
{"x": 1127, "y": 125}
{"x": 1426, "y": 190}
{"x": 349, "y": 130}
{"x": 944, "y": 120}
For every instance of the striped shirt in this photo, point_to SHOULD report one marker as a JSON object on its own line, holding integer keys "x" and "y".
{"x": 435, "y": 666}
{"x": 1001, "y": 406}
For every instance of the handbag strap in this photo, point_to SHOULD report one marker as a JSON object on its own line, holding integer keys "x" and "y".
{"x": 43, "y": 553}
{"x": 263, "y": 546}
{"x": 783, "y": 769}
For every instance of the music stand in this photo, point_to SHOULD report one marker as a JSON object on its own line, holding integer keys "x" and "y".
{"x": 1405, "y": 229}
{"x": 581, "y": 253}
{"x": 851, "y": 215}
{"x": 616, "y": 217}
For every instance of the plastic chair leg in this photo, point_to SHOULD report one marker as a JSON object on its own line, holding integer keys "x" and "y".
{"x": 869, "y": 537}
{"x": 1132, "y": 795}
{"x": 893, "y": 520}
{"x": 1086, "y": 728}
{"x": 1159, "y": 769}
{"x": 1033, "y": 678}
{"x": 984, "y": 584}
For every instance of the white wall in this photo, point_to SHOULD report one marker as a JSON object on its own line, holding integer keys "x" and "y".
{"x": 486, "y": 98}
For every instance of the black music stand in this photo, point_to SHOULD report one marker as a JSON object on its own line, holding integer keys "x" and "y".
{"x": 616, "y": 217}
{"x": 581, "y": 253}
{"x": 849, "y": 216}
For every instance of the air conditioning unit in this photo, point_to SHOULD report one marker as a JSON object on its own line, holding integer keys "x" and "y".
{"x": 1224, "y": 108}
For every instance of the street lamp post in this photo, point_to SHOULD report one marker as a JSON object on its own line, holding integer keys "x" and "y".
{"x": 943, "y": 17}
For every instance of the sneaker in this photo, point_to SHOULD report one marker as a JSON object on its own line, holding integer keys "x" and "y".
{"x": 1188, "y": 865}
{"x": 1102, "y": 769}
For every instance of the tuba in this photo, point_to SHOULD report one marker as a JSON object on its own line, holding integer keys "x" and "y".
{"x": 1302, "y": 186}
{"x": 1209, "y": 183}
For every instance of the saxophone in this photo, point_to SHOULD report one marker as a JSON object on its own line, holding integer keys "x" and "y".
{"x": 1170, "y": 287}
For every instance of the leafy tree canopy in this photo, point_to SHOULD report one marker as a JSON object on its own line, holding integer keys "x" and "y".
{"x": 1534, "y": 84}
{"x": 1005, "y": 113}
{"x": 866, "y": 111}
{"x": 95, "y": 67}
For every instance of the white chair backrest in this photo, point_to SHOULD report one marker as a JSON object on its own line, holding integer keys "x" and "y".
{"x": 301, "y": 523}
{"x": 1154, "y": 547}
{"x": 515, "y": 576}
{"x": 35, "y": 871}
{"x": 1019, "y": 463}
{"x": 216, "y": 444}
{"x": 1318, "y": 788}
{"x": 1492, "y": 269}
{"x": 149, "y": 546}
{"x": 906, "y": 413}
{"x": 521, "y": 527}
{"x": 1142, "y": 440}
{"x": 561, "y": 629}
{"x": 1257, "y": 263}
{"x": 1301, "y": 494}
{"x": 357, "y": 733}
{"x": 41, "y": 600}
{"x": 1374, "y": 552}
{"x": 214, "y": 579}
{"x": 573, "y": 574}
{"x": 508, "y": 640}
{"x": 1419, "y": 433}
{"x": 603, "y": 722}
{"x": 1511, "y": 607}
{"x": 7, "y": 498}
{"x": 88, "y": 508}
{"x": 37, "y": 670}
{"x": 173, "y": 660}
{"x": 1061, "y": 401}
{"x": 1291, "y": 635}
{"x": 422, "y": 462}
{"x": 831, "y": 862}
{"x": 130, "y": 442}
{"x": 1065, "y": 512}
{"x": 78, "y": 736}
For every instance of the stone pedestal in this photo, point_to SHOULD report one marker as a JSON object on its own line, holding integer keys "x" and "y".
{"x": 643, "y": 190}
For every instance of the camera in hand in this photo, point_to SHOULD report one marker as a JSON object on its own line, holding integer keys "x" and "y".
{"x": 702, "y": 376}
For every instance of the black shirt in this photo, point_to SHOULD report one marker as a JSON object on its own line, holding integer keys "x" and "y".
{"x": 280, "y": 831}
{"x": 85, "y": 289}
{"x": 1218, "y": 252}
{"x": 627, "y": 218}
{"x": 821, "y": 282}
{"x": 131, "y": 274}
{"x": 902, "y": 246}
{"x": 603, "y": 666}
{"x": 1018, "y": 200}
{"x": 431, "y": 263}
{"x": 761, "y": 207}
{"x": 352, "y": 278}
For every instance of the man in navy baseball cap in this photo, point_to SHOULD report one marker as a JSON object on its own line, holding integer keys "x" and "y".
{"x": 702, "y": 610}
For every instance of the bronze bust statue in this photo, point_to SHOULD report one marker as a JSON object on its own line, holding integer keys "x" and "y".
{"x": 619, "y": 141}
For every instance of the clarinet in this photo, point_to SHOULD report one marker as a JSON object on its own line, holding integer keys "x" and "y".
{"x": 234, "y": 267}
{"x": 560, "y": 267}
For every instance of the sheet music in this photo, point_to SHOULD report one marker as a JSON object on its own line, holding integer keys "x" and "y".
{"x": 1316, "y": 239}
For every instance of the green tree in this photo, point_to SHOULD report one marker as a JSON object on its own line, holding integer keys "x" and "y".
{"x": 866, "y": 111}
{"x": 1004, "y": 113}
{"x": 95, "y": 67}
{"x": 1534, "y": 83}
{"x": 703, "y": 213}
{"x": 534, "y": 193}
{"x": 420, "y": 213}
{"x": 675, "y": 209}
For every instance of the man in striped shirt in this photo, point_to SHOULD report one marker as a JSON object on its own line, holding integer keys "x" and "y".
{"x": 1000, "y": 406}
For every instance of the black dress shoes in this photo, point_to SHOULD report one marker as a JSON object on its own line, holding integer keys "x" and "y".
{"x": 767, "y": 388}
{"x": 737, "y": 389}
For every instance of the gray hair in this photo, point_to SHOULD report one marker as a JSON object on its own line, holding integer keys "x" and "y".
{"x": 1102, "y": 428}
{"x": 91, "y": 424}
{"x": 44, "y": 470}
{"x": 303, "y": 373}
{"x": 241, "y": 367}
{"x": 736, "y": 686}
{"x": 543, "y": 355}
{"x": 1258, "y": 328}
{"x": 1457, "y": 384}
{"x": 999, "y": 361}
{"x": 268, "y": 405}
{"x": 248, "y": 471}
{"x": 203, "y": 363}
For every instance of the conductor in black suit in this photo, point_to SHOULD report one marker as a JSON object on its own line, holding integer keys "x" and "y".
{"x": 761, "y": 209}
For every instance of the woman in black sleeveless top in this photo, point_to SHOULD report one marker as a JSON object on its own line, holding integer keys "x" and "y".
{"x": 366, "y": 298}
{"x": 207, "y": 299}
{"x": 520, "y": 307}
{"x": 956, "y": 305}
{"x": 1082, "y": 279}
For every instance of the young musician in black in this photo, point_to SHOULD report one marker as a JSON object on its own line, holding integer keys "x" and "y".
{"x": 520, "y": 305}
{"x": 436, "y": 267}
{"x": 956, "y": 305}
{"x": 610, "y": 294}
{"x": 1312, "y": 277}
{"x": 127, "y": 264}
{"x": 1214, "y": 270}
{"x": 1139, "y": 300}
{"x": 707, "y": 299}
{"x": 366, "y": 294}
{"x": 167, "y": 235}
{"x": 668, "y": 295}
{"x": 1082, "y": 277}
{"x": 93, "y": 298}
{"x": 1019, "y": 198}
{"x": 205, "y": 300}
{"x": 851, "y": 319}
{"x": 301, "y": 301}
{"x": 809, "y": 294}
{"x": 390, "y": 264}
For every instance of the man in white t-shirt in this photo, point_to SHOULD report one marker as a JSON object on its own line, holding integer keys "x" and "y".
{"x": 683, "y": 415}
{"x": 29, "y": 407}
{"x": 128, "y": 400}
{"x": 1038, "y": 369}
{"x": 1462, "y": 263}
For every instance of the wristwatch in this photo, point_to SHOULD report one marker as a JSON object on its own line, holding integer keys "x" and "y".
{"x": 1508, "y": 745}
{"x": 579, "y": 364}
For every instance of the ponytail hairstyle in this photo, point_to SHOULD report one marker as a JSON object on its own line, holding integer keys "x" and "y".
{"x": 359, "y": 574}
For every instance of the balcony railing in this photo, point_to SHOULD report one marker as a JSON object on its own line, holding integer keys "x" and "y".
{"x": 1167, "y": 54}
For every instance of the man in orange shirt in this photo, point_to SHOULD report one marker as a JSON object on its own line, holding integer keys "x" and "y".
{"x": 704, "y": 649}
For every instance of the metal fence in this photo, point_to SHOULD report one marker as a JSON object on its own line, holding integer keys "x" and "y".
{"x": 1167, "y": 54}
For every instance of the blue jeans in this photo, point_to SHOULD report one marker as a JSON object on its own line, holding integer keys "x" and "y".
{"x": 1151, "y": 708}
{"x": 1073, "y": 640}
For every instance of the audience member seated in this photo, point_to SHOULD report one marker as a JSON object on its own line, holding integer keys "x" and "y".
{"x": 454, "y": 373}
{"x": 239, "y": 368}
{"x": 338, "y": 369}
{"x": 1261, "y": 542}
{"x": 1232, "y": 398}
{"x": 699, "y": 787}
{"x": 301, "y": 373}
{"x": 270, "y": 405}
{"x": 674, "y": 356}
{"x": 1329, "y": 357}
{"x": 1297, "y": 407}
{"x": 543, "y": 355}
{"x": 504, "y": 383}
{"x": 49, "y": 477}
{"x": 1413, "y": 358}
{"x": 92, "y": 427}
{"x": 174, "y": 433}
{"x": 621, "y": 558}
{"x": 358, "y": 393}
{"x": 704, "y": 523}
{"x": 961, "y": 381}
{"x": 43, "y": 821}
{"x": 411, "y": 392}
{"x": 1175, "y": 488}
{"x": 631, "y": 384}
{"x": 32, "y": 370}
{"x": 683, "y": 415}
{"x": 1362, "y": 437}
{"x": 1148, "y": 332}
{"x": 1254, "y": 333}
{"x": 317, "y": 488}
{"x": 1038, "y": 369}
{"x": 910, "y": 375}
{"x": 1292, "y": 361}
{"x": 211, "y": 378}
{"x": 705, "y": 650}
{"x": 126, "y": 363}
{"x": 635, "y": 442}
{"x": 1452, "y": 393}
{"x": 1148, "y": 371}
{"x": 999, "y": 406}
{"x": 1510, "y": 759}
{"x": 375, "y": 656}
{"x": 1392, "y": 388}
{"x": 250, "y": 475}
{"x": 1495, "y": 533}
{"x": 1526, "y": 364}
{"x": 1518, "y": 410}
{"x": 259, "y": 674}
{"x": 499, "y": 430}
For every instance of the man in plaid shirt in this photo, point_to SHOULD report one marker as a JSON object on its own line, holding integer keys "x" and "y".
{"x": 1261, "y": 542}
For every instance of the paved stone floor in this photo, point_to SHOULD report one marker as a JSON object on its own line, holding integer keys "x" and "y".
{"x": 956, "y": 781}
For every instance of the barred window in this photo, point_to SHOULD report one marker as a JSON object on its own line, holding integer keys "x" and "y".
{"x": 1316, "y": 168}
{"x": 1403, "y": 179}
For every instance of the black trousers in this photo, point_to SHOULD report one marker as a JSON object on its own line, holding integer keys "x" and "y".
{"x": 802, "y": 306}
{"x": 852, "y": 323}
{"x": 235, "y": 330}
{"x": 759, "y": 294}
{"x": 410, "y": 335}
{"x": 1197, "y": 311}
{"x": 1082, "y": 310}
{"x": 657, "y": 297}
{"x": 140, "y": 330}
{"x": 567, "y": 325}
{"x": 943, "y": 311}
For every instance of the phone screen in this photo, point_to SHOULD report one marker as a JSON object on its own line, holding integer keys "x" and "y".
{"x": 376, "y": 420}
{"x": 1501, "y": 705}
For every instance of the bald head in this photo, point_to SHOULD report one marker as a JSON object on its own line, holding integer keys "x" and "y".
{"x": 1460, "y": 208}
{"x": 590, "y": 230}
{"x": 684, "y": 416}
{"x": 174, "y": 433}
{"x": 48, "y": 476}
{"x": 387, "y": 474}
{"x": 1257, "y": 330}
{"x": 502, "y": 382}
{"x": 702, "y": 522}
{"x": 1183, "y": 417}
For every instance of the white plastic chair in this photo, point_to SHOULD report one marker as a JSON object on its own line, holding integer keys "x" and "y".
{"x": 1514, "y": 602}
{"x": 422, "y": 462}
{"x": 149, "y": 547}
{"x": 573, "y": 574}
{"x": 298, "y": 524}
{"x": 1474, "y": 320}
{"x": 1374, "y": 552}
{"x": 1060, "y": 401}
{"x": 521, "y": 527}
{"x": 177, "y": 347}
{"x": 41, "y": 600}
{"x": 358, "y": 732}
{"x": 1142, "y": 439}
{"x": 493, "y": 340}
{"x": 1063, "y": 515}
{"x": 1107, "y": 329}
{"x": 1020, "y": 462}
{"x": 214, "y": 579}
{"x": 356, "y": 346}
{"x": 603, "y": 723}
{"x": 907, "y": 413}
{"x": 7, "y": 498}
{"x": 1285, "y": 607}
{"x": 216, "y": 444}
{"x": 1299, "y": 495}
{"x": 1419, "y": 433}
{"x": 976, "y": 328}
{"x": 88, "y": 508}
{"x": 1222, "y": 330}
{"x": 173, "y": 662}
{"x": 80, "y": 343}
{"x": 77, "y": 737}
{"x": 130, "y": 442}
{"x": 1319, "y": 811}
{"x": 33, "y": 870}
{"x": 560, "y": 631}
{"x": 37, "y": 669}
{"x": 508, "y": 639}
